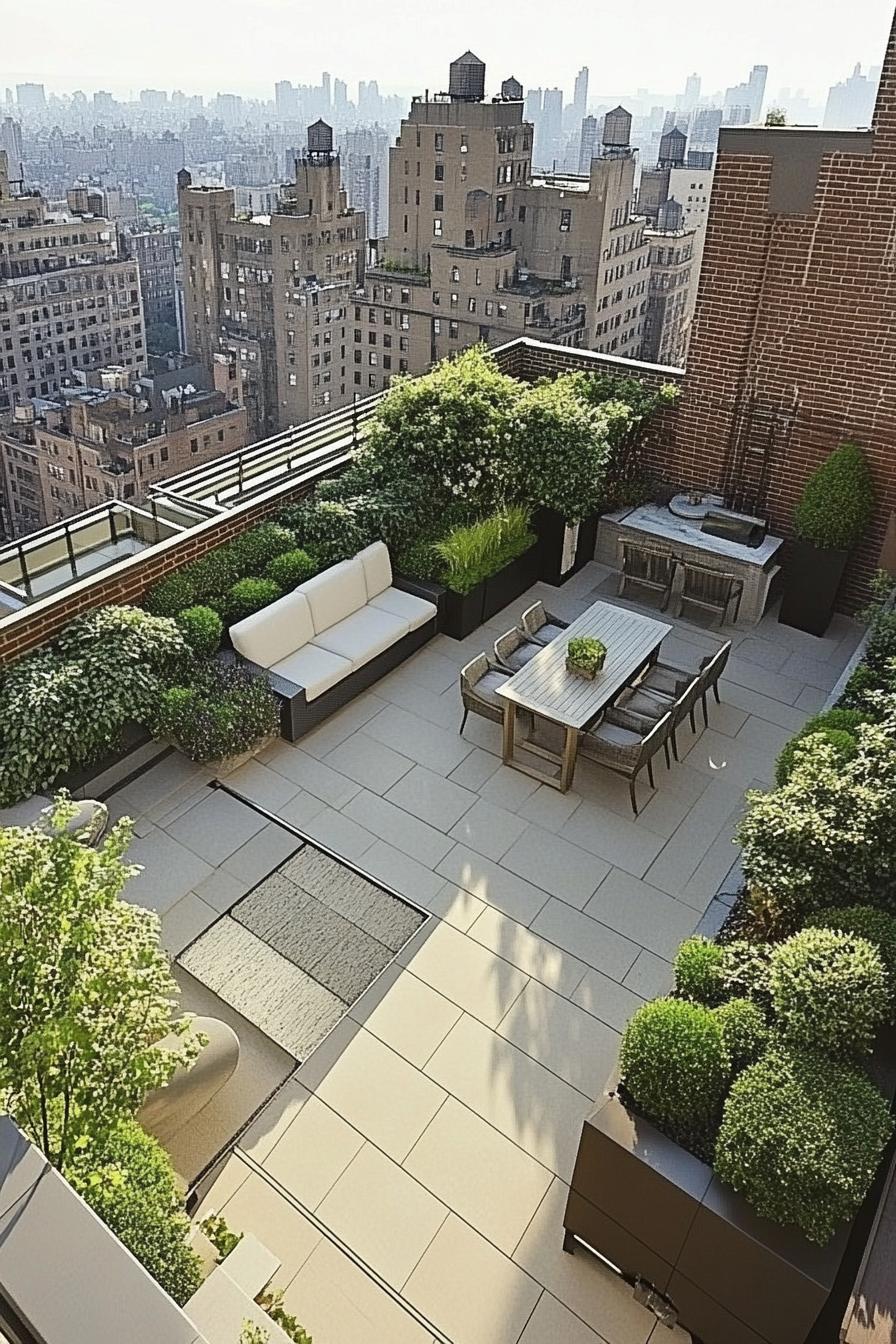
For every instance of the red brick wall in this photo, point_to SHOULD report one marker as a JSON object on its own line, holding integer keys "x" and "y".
{"x": 796, "y": 318}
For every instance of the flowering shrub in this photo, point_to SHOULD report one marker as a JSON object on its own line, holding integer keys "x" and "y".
{"x": 864, "y": 921}
{"x": 838, "y": 727}
{"x": 561, "y": 449}
{"x": 224, "y": 711}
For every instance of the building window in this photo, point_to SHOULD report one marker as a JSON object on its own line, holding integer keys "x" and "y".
{"x": 438, "y": 203}
{"x": 453, "y": 330}
{"x": 437, "y": 228}
{"x": 436, "y": 297}
{"x": 194, "y": 445}
{"x": 372, "y": 359}
{"x": 455, "y": 273}
{"x": 371, "y": 338}
{"x": 404, "y": 321}
{"x": 521, "y": 213}
{"x": 565, "y": 220}
{"x": 387, "y": 340}
{"x": 371, "y": 380}
{"x": 469, "y": 238}
{"x": 405, "y": 296}
{"x": 440, "y": 172}
{"x": 293, "y": 380}
{"x": 437, "y": 326}
{"x": 500, "y": 207}
{"x": 471, "y": 305}
{"x": 489, "y": 307}
{"x": 439, "y": 142}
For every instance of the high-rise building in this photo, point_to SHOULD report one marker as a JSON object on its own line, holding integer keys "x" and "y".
{"x": 688, "y": 100}
{"x": 589, "y": 145}
{"x": 69, "y": 301}
{"x": 672, "y": 287}
{"x": 481, "y": 248}
{"x": 11, "y": 142}
{"x": 364, "y": 153}
{"x": 31, "y": 99}
{"x": 106, "y": 440}
{"x": 851, "y": 102}
{"x": 705, "y": 125}
{"x": 548, "y": 149}
{"x": 743, "y": 102}
{"x": 786, "y": 361}
{"x": 286, "y": 101}
{"x": 157, "y": 254}
{"x": 580, "y": 97}
{"x": 272, "y": 293}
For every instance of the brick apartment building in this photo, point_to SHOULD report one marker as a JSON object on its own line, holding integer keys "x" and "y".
{"x": 793, "y": 346}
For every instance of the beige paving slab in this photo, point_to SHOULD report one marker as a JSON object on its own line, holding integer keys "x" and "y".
{"x": 396, "y": 827}
{"x": 557, "y": 866}
{"x": 264, "y": 786}
{"x": 493, "y": 884}
{"x": 341, "y": 725}
{"x": 302, "y": 808}
{"x": 313, "y": 1151}
{"x": 441, "y": 708}
{"x": 411, "y": 1018}
{"x": 650, "y": 977}
{"x": 764, "y": 653}
{"x": 456, "y": 905}
{"x": 762, "y": 736}
{"x": 479, "y": 1174}
{"x": 549, "y": 808}
{"x": 718, "y": 755}
{"x": 398, "y": 870}
{"x": 169, "y": 871}
{"x": 535, "y": 956}
{"x": 432, "y": 798}
{"x": 533, "y": 1107}
{"x": 475, "y": 769}
{"x": 430, "y": 668}
{"x": 467, "y": 973}
{"x": 380, "y": 1094}
{"x": 810, "y": 699}
{"x": 259, "y": 1208}
{"x": 266, "y": 850}
{"x": 428, "y": 744}
{"x": 604, "y": 998}
{"x": 819, "y": 672}
{"x": 754, "y": 702}
{"x": 221, "y": 890}
{"x": 336, "y": 1301}
{"x": 587, "y": 1288}
{"x": 339, "y": 833}
{"x": 624, "y": 844}
{"x": 184, "y": 922}
{"x": 642, "y": 913}
{"x": 369, "y": 763}
{"x": 314, "y": 775}
{"x": 553, "y": 1323}
{"x": 775, "y": 685}
{"x": 592, "y": 942}
{"x": 274, "y": 1119}
{"x": 699, "y": 831}
{"x": 383, "y": 1214}
{"x": 489, "y": 829}
{"x": 563, "y": 1037}
{"x": 508, "y": 787}
{"x": 470, "y": 1290}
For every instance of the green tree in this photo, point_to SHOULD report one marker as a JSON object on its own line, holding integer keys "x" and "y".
{"x": 86, "y": 993}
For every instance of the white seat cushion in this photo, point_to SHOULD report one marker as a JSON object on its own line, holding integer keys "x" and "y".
{"x": 363, "y": 635}
{"x": 277, "y": 630}
{"x": 335, "y": 594}
{"x": 377, "y": 568}
{"x": 415, "y": 610}
{"x": 315, "y": 669}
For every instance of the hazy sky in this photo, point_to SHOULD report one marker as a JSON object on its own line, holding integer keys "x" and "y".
{"x": 243, "y": 46}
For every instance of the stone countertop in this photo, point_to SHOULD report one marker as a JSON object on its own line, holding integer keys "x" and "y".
{"x": 658, "y": 522}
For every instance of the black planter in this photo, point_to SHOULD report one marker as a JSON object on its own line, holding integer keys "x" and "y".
{"x": 551, "y": 529}
{"x": 462, "y": 612}
{"x": 510, "y": 582}
{"x": 134, "y": 737}
{"x": 810, "y": 588}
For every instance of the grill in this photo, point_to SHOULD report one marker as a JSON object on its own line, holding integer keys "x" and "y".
{"x": 735, "y": 527}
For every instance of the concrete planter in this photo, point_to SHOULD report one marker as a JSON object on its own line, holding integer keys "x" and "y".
{"x": 813, "y": 579}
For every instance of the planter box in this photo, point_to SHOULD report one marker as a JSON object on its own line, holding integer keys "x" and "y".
{"x": 660, "y": 1214}
{"x": 463, "y": 612}
{"x": 563, "y": 552}
{"x": 112, "y": 767}
{"x": 812, "y": 580}
{"x": 227, "y": 764}
{"x": 510, "y": 582}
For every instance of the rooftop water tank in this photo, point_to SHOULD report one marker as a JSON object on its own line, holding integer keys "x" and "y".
{"x": 466, "y": 81}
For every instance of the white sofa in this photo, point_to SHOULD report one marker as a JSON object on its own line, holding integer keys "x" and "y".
{"x": 334, "y": 635}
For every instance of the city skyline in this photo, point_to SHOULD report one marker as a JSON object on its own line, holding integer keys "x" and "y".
{"x": 384, "y": 49}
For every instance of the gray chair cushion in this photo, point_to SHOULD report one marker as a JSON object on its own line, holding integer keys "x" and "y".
{"x": 487, "y": 686}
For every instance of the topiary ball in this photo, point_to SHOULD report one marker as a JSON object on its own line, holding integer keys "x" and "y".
{"x": 254, "y": 550}
{"x": 248, "y": 596}
{"x": 290, "y": 569}
{"x": 675, "y": 1068}
{"x": 202, "y": 629}
{"x": 829, "y": 991}
{"x": 745, "y": 971}
{"x": 832, "y": 729}
{"x": 744, "y": 1031}
{"x": 864, "y": 921}
{"x": 170, "y": 595}
{"x": 801, "y": 1137}
{"x": 698, "y": 971}
{"x": 837, "y": 500}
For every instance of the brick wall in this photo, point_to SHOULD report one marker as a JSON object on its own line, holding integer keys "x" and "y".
{"x": 793, "y": 348}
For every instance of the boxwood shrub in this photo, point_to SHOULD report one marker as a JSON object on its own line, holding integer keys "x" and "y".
{"x": 829, "y": 991}
{"x": 675, "y": 1068}
{"x": 837, "y": 501}
{"x": 839, "y": 728}
{"x": 248, "y": 596}
{"x": 745, "y": 971}
{"x": 865, "y": 921}
{"x": 202, "y": 629}
{"x": 801, "y": 1137}
{"x": 253, "y": 551}
{"x": 745, "y": 1031}
{"x": 290, "y": 569}
{"x": 698, "y": 971}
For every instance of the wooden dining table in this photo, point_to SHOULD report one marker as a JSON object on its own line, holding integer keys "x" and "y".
{"x": 546, "y": 689}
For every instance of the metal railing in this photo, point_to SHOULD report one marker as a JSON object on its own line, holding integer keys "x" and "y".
{"x": 57, "y": 555}
{"x": 229, "y": 480}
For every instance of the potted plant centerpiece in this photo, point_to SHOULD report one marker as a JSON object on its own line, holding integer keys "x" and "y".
{"x": 585, "y": 657}
{"x": 833, "y": 512}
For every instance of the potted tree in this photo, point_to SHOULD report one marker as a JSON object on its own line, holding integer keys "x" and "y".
{"x": 833, "y": 512}
{"x": 585, "y": 657}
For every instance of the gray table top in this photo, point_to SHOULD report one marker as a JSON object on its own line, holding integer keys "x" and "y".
{"x": 546, "y": 687}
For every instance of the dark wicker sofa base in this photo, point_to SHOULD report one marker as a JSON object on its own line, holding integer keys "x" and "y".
{"x": 298, "y": 715}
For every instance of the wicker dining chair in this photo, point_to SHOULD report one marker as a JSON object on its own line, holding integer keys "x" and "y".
{"x": 670, "y": 680}
{"x": 648, "y": 568}
{"x": 710, "y": 590}
{"x": 479, "y": 681}
{"x": 617, "y": 745}
{"x": 514, "y": 649}
{"x": 540, "y": 625}
{"x": 650, "y": 705}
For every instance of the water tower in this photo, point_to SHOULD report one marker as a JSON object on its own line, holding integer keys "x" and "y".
{"x": 617, "y": 132}
{"x": 466, "y": 80}
{"x": 320, "y": 141}
{"x": 512, "y": 90}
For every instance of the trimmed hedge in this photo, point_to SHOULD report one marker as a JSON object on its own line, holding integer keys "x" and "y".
{"x": 699, "y": 974}
{"x": 829, "y": 991}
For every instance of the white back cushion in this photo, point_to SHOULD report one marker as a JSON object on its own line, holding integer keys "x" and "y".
{"x": 335, "y": 593}
{"x": 275, "y": 631}
{"x": 377, "y": 568}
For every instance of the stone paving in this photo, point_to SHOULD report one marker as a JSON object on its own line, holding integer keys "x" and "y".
{"x": 434, "y": 1130}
